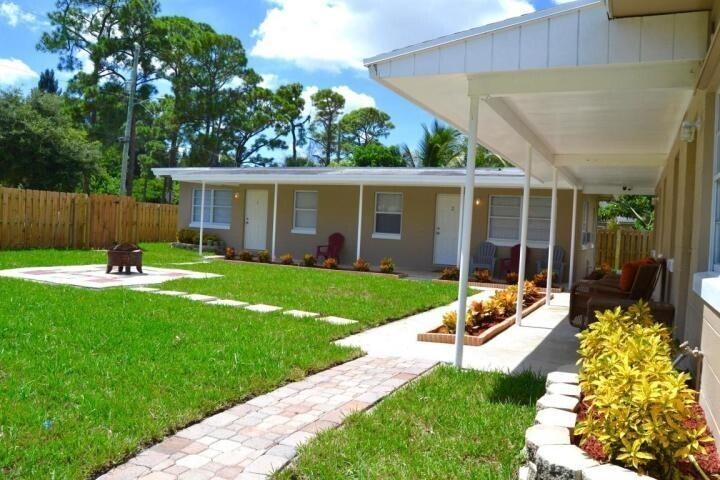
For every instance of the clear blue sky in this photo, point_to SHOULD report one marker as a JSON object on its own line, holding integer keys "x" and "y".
{"x": 320, "y": 43}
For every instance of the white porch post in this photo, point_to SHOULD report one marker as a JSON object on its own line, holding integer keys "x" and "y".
{"x": 571, "y": 273}
{"x": 274, "y": 223}
{"x": 466, "y": 229}
{"x": 551, "y": 242}
{"x": 523, "y": 237}
{"x": 460, "y": 229}
{"x": 359, "y": 222}
{"x": 202, "y": 218}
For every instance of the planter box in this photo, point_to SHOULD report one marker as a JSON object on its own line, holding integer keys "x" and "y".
{"x": 477, "y": 340}
{"x": 498, "y": 286}
{"x": 318, "y": 267}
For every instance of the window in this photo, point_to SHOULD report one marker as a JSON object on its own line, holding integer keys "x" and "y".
{"x": 218, "y": 208}
{"x": 586, "y": 237}
{"x": 305, "y": 213}
{"x": 388, "y": 215}
{"x": 504, "y": 223}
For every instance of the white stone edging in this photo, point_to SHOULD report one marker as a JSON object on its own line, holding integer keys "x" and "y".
{"x": 549, "y": 451}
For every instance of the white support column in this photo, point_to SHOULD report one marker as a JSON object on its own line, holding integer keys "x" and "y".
{"x": 551, "y": 242}
{"x": 571, "y": 273}
{"x": 359, "y": 222}
{"x": 459, "y": 242}
{"x": 466, "y": 229}
{"x": 202, "y": 218}
{"x": 523, "y": 237}
{"x": 274, "y": 224}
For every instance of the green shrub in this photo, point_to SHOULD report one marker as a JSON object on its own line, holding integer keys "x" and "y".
{"x": 263, "y": 256}
{"x": 309, "y": 260}
{"x": 187, "y": 235}
{"x": 245, "y": 256}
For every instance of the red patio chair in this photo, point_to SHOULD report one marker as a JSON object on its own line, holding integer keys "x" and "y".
{"x": 332, "y": 249}
{"x": 512, "y": 264}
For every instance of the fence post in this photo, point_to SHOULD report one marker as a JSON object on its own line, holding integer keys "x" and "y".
{"x": 618, "y": 243}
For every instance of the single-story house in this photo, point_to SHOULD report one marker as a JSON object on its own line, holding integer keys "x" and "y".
{"x": 411, "y": 215}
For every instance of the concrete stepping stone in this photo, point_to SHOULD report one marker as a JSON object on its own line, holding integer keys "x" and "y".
{"x": 541, "y": 435}
{"x": 562, "y": 377}
{"x": 197, "y": 297}
{"x": 556, "y": 418}
{"x": 562, "y": 462}
{"x": 611, "y": 472}
{"x": 144, "y": 289}
{"x": 300, "y": 314}
{"x": 228, "y": 303}
{"x": 337, "y": 320}
{"x": 262, "y": 308}
{"x": 170, "y": 293}
{"x": 561, "y": 402}
{"x": 564, "y": 389}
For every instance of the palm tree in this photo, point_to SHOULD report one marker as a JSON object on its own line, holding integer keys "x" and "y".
{"x": 440, "y": 146}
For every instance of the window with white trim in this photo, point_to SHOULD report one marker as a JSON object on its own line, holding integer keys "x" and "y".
{"x": 586, "y": 237}
{"x": 388, "y": 215}
{"x": 218, "y": 208}
{"x": 305, "y": 212}
{"x": 505, "y": 218}
{"x": 715, "y": 239}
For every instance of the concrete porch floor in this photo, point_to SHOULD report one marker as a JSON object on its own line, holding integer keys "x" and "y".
{"x": 545, "y": 342}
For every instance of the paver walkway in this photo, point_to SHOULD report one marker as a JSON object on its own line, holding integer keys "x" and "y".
{"x": 253, "y": 439}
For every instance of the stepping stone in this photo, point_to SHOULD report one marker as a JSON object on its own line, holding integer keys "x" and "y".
{"x": 144, "y": 289}
{"x": 562, "y": 377}
{"x": 262, "y": 308}
{"x": 561, "y": 402}
{"x": 300, "y": 314}
{"x": 197, "y": 297}
{"x": 228, "y": 303}
{"x": 540, "y": 435}
{"x": 562, "y": 462}
{"x": 556, "y": 418}
{"x": 170, "y": 293}
{"x": 337, "y": 320}
{"x": 564, "y": 389}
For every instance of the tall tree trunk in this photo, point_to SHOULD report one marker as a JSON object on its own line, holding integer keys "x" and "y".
{"x": 294, "y": 145}
{"x": 132, "y": 160}
{"x": 172, "y": 163}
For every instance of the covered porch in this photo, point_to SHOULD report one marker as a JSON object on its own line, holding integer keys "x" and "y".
{"x": 567, "y": 94}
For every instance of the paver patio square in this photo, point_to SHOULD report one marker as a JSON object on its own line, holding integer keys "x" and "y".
{"x": 266, "y": 464}
{"x": 337, "y": 320}
{"x": 170, "y": 293}
{"x": 144, "y": 289}
{"x": 301, "y": 314}
{"x": 197, "y": 297}
{"x": 262, "y": 308}
{"x": 228, "y": 303}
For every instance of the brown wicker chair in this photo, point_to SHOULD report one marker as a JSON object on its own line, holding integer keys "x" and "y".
{"x": 643, "y": 287}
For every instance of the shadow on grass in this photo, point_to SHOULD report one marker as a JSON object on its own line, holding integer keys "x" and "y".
{"x": 519, "y": 389}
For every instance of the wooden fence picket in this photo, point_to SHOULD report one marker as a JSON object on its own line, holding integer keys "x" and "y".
{"x": 617, "y": 247}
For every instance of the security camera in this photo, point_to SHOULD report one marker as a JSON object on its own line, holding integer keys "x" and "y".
{"x": 627, "y": 188}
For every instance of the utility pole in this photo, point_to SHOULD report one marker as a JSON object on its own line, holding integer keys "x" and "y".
{"x": 128, "y": 122}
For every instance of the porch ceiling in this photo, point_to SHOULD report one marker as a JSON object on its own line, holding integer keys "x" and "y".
{"x": 600, "y": 100}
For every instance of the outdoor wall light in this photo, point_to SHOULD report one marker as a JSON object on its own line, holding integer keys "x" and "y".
{"x": 688, "y": 130}
{"x": 236, "y": 196}
{"x": 477, "y": 201}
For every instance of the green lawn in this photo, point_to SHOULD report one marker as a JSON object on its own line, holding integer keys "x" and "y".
{"x": 448, "y": 424}
{"x": 369, "y": 299}
{"x": 89, "y": 377}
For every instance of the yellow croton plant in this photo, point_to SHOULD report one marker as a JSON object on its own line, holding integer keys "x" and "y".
{"x": 638, "y": 403}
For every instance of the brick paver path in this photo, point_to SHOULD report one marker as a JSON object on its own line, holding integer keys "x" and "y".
{"x": 253, "y": 439}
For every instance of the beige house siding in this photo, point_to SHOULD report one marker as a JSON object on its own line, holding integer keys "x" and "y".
{"x": 710, "y": 390}
{"x": 338, "y": 212}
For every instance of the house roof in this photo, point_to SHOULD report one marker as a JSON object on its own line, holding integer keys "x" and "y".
{"x": 441, "y": 177}
{"x": 599, "y": 99}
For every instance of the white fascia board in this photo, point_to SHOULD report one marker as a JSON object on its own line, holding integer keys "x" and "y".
{"x": 616, "y": 190}
{"x": 483, "y": 30}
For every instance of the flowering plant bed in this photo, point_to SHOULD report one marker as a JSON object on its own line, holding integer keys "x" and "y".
{"x": 320, "y": 267}
{"x": 496, "y": 284}
{"x": 486, "y": 319}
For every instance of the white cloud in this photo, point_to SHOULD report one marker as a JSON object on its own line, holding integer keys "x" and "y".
{"x": 337, "y": 34}
{"x": 270, "y": 81}
{"x": 14, "y": 15}
{"x": 559, "y": 2}
{"x": 353, "y": 99}
{"x": 14, "y": 72}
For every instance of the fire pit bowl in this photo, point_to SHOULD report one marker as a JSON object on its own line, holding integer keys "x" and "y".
{"x": 124, "y": 256}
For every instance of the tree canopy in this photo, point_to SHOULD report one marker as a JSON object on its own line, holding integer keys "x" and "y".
{"x": 636, "y": 207}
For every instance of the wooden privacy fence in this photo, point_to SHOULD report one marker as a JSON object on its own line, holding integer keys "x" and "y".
{"x": 37, "y": 219}
{"x": 616, "y": 247}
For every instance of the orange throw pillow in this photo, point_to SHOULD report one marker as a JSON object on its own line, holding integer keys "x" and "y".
{"x": 627, "y": 277}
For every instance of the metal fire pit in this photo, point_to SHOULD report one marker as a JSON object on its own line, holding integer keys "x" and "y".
{"x": 124, "y": 256}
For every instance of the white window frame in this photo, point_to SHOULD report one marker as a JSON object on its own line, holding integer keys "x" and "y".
{"x": 504, "y": 242}
{"x": 382, "y": 235}
{"x": 304, "y": 230}
{"x": 586, "y": 240}
{"x": 713, "y": 265}
{"x": 209, "y": 203}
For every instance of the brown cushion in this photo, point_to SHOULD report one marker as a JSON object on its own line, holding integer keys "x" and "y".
{"x": 627, "y": 277}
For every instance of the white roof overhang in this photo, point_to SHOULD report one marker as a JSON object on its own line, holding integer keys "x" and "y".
{"x": 406, "y": 177}
{"x": 599, "y": 99}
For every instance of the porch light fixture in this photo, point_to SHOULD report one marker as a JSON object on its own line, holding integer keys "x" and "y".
{"x": 236, "y": 195}
{"x": 687, "y": 131}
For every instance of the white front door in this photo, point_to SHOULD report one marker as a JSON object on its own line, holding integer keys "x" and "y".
{"x": 447, "y": 223}
{"x": 256, "y": 212}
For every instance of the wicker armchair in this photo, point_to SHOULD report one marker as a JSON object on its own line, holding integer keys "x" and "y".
{"x": 608, "y": 288}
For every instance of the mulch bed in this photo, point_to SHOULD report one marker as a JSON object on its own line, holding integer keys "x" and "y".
{"x": 320, "y": 267}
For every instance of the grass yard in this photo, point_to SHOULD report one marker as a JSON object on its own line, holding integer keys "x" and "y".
{"x": 449, "y": 424}
{"x": 370, "y": 299}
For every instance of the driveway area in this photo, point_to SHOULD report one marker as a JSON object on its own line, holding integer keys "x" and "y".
{"x": 544, "y": 342}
